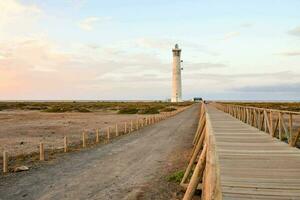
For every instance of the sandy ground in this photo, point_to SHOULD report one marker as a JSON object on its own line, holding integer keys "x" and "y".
{"x": 22, "y": 131}
{"x": 133, "y": 166}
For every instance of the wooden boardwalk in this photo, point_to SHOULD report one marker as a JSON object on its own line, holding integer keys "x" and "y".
{"x": 253, "y": 165}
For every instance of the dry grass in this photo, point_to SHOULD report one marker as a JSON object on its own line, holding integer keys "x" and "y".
{"x": 122, "y": 107}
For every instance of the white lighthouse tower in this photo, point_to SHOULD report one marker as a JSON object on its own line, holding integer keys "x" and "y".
{"x": 176, "y": 79}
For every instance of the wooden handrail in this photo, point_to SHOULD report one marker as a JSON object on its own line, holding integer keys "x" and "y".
{"x": 259, "y": 108}
{"x": 265, "y": 119}
{"x": 206, "y": 171}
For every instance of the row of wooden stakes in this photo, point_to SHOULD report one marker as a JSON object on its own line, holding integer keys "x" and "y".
{"x": 128, "y": 128}
{"x": 202, "y": 172}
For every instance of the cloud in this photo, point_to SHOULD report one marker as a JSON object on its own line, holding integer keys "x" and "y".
{"x": 204, "y": 65}
{"x": 167, "y": 43}
{"x": 155, "y": 43}
{"x": 12, "y": 11}
{"x": 18, "y": 19}
{"x": 295, "y": 31}
{"x": 282, "y": 88}
{"x": 230, "y": 35}
{"x": 230, "y": 82}
{"x": 77, "y": 3}
{"x": 289, "y": 53}
{"x": 30, "y": 54}
{"x": 246, "y": 25}
{"x": 36, "y": 69}
{"x": 88, "y": 23}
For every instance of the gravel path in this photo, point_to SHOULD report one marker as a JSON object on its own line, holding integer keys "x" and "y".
{"x": 118, "y": 170}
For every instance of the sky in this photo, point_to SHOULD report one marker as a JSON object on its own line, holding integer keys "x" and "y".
{"x": 121, "y": 49}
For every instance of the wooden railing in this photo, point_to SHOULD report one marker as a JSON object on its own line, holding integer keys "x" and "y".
{"x": 278, "y": 123}
{"x": 203, "y": 173}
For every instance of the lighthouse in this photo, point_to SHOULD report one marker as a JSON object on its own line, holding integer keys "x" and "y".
{"x": 176, "y": 79}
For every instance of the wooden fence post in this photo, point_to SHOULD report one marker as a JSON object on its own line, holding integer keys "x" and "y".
{"x": 83, "y": 140}
{"x": 5, "y": 162}
{"x": 117, "y": 131}
{"x": 108, "y": 134}
{"x": 65, "y": 144}
{"x": 137, "y": 124}
{"x": 97, "y": 135}
{"x": 42, "y": 152}
{"x": 125, "y": 127}
{"x": 131, "y": 126}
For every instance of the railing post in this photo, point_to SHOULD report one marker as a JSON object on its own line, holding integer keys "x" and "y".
{"x": 265, "y": 122}
{"x": 271, "y": 123}
{"x": 280, "y": 126}
{"x": 197, "y": 175}
{"x": 291, "y": 128}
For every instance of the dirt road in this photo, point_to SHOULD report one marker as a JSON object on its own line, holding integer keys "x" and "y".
{"x": 131, "y": 167}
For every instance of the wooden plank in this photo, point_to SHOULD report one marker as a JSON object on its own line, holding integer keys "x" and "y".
{"x": 255, "y": 165}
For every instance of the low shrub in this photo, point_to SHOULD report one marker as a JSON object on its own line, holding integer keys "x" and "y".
{"x": 58, "y": 109}
{"x": 168, "y": 109}
{"x": 83, "y": 110}
{"x": 176, "y": 177}
{"x": 149, "y": 111}
{"x": 128, "y": 111}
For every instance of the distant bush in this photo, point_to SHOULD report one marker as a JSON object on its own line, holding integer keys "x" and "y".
{"x": 62, "y": 109}
{"x": 58, "y": 109}
{"x": 3, "y": 107}
{"x": 168, "y": 109}
{"x": 128, "y": 111}
{"x": 83, "y": 110}
{"x": 149, "y": 111}
{"x": 35, "y": 108}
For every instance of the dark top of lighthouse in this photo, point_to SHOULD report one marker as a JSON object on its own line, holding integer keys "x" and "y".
{"x": 176, "y": 50}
